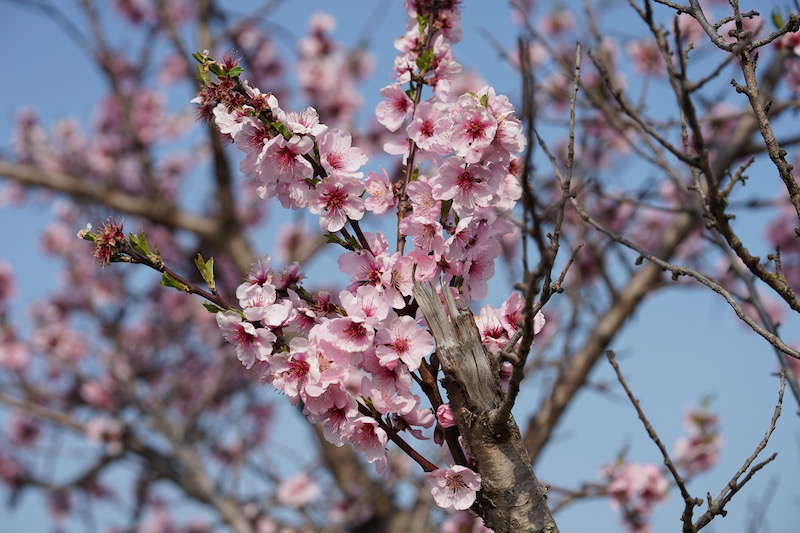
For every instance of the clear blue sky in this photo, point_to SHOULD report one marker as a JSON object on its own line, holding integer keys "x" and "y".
{"x": 681, "y": 345}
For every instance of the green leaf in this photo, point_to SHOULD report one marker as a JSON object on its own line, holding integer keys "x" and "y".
{"x": 140, "y": 244}
{"x": 235, "y": 71}
{"x": 423, "y": 22}
{"x": 202, "y": 74}
{"x": 216, "y": 69}
{"x": 425, "y": 60}
{"x": 206, "y": 269}
{"x": 211, "y": 308}
{"x": 485, "y": 100}
{"x": 200, "y": 58}
{"x": 777, "y": 19}
{"x": 169, "y": 281}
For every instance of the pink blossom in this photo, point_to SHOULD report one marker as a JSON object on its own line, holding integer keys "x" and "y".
{"x": 427, "y": 233}
{"x": 557, "y": 22}
{"x": 336, "y": 410}
{"x": 636, "y": 489}
{"x": 512, "y": 314}
{"x": 293, "y": 372}
{"x": 423, "y": 203}
{"x": 228, "y": 123}
{"x": 430, "y": 128}
{"x": 251, "y": 343}
{"x": 444, "y": 415}
{"x": 366, "y": 305}
{"x": 466, "y": 185}
{"x": 250, "y": 139}
{"x": 14, "y": 356}
{"x": 478, "y": 268}
{"x": 700, "y": 450}
{"x": 455, "y": 487}
{"x": 305, "y": 122}
{"x": 297, "y": 491}
{"x": 380, "y": 193}
{"x": 368, "y": 438}
{"x": 392, "y": 111}
{"x": 646, "y": 57}
{"x": 493, "y": 334}
{"x": 336, "y": 200}
{"x": 258, "y": 304}
{"x": 337, "y": 155}
{"x": 106, "y": 430}
{"x": 402, "y": 340}
{"x": 350, "y": 335}
{"x": 697, "y": 453}
{"x": 282, "y": 161}
{"x": 473, "y": 129}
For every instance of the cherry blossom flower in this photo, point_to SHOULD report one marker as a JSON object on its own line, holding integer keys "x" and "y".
{"x": 380, "y": 193}
{"x": 368, "y": 438}
{"x": 466, "y": 185}
{"x": 366, "y": 305}
{"x": 444, "y": 415}
{"x": 646, "y": 57}
{"x": 635, "y": 489}
{"x": 297, "y": 491}
{"x": 305, "y": 122}
{"x": 392, "y": 111}
{"x": 106, "y": 430}
{"x": 464, "y": 522}
{"x": 251, "y": 343}
{"x": 337, "y": 155}
{"x": 336, "y": 200}
{"x": 350, "y": 335}
{"x": 336, "y": 410}
{"x": 282, "y": 161}
{"x": 14, "y": 356}
{"x": 700, "y": 449}
{"x": 455, "y": 487}
{"x": 430, "y": 127}
{"x": 473, "y": 129}
{"x": 402, "y": 340}
{"x": 258, "y": 304}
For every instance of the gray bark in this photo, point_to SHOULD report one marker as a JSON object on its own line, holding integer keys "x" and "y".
{"x": 511, "y": 499}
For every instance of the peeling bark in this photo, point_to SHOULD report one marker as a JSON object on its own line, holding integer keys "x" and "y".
{"x": 511, "y": 499}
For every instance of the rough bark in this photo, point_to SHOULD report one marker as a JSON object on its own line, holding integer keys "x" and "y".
{"x": 511, "y": 499}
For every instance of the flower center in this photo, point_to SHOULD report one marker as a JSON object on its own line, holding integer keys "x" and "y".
{"x": 334, "y": 160}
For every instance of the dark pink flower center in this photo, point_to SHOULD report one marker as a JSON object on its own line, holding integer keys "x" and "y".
{"x": 475, "y": 129}
{"x": 334, "y": 198}
{"x": 400, "y": 105}
{"x": 298, "y": 368}
{"x": 356, "y": 330}
{"x": 285, "y": 156}
{"x": 401, "y": 345}
{"x": 243, "y": 337}
{"x": 334, "y": 159}
{"x": 466, "y": 180}
{"x": 494, "y": 333}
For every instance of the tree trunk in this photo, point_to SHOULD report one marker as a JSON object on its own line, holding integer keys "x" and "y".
{"x": 511, "y": 499}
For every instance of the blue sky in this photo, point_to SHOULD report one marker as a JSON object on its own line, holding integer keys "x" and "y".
{"x": 680, "y": 346}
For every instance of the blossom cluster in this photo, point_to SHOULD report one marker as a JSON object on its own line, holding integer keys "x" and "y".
{"x": 699, "y": 450}
{"x": 339, "y": 356}
{"x": 635, "y": 489}
{"x": 349, "y": 358}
